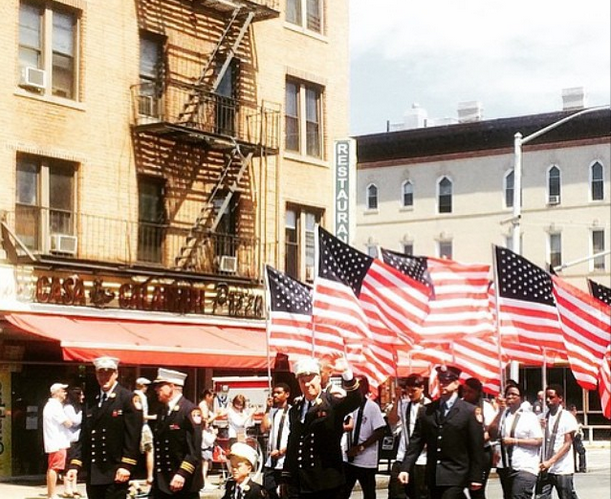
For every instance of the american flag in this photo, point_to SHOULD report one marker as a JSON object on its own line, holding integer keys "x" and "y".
{"x": 290, "y": 325}
{"x": 525, "y": 302}
{"x": 373, "y": 305}
{"x": 459, "y": 304}
{"x": 600, "y": 292}
{"x": 604, "y": 384}
{"x": 586, "y": 324}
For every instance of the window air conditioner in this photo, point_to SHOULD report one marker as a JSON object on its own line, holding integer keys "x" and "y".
{"x": 63, "y": 243}
{"x": 554, "y": 200}
{"x": 32, "y": 78}
{"x": 228, "y": 264}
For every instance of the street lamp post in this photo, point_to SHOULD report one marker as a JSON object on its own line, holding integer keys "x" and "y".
{"x": 518, "y": 143}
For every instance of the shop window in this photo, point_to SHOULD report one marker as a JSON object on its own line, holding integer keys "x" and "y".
{"x": 48, "y": 48}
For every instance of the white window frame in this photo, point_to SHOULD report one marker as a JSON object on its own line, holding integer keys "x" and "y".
{"x": 591, "y": 180}
{"x": 597, "y": 264}
{"x": 48, "y": 9}
{"x": 548, "y": 185}
{"x": 377, "y": 197}
{"x": 404, "y": 184}
{"x": 302, "y": 22}
{"x": 440, "y": 244}
{"x": 506, "y": 196}
{"x": 303, "y": 87}
{"x": 550, "y": 236}
{"x": 405, "y": 245}
{"x": 439, "y": 180}
{"x": 305, "y": 272}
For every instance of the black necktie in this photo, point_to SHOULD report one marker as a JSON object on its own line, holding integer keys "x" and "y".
{"x": 103, "y": 398}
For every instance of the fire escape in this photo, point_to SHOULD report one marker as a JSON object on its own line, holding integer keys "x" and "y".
{"x": 197, "y": 111}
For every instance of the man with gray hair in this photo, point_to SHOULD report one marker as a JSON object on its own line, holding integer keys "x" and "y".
{"x": 54, "y": 424}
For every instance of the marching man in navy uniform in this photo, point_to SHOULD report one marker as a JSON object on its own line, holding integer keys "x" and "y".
{"x": 242, "y": 461}
{"x": 453, "y": 434}
{"x": 313, "y": 468}
{"x": 178, "y": 440}
{"x": 109, "y": 444}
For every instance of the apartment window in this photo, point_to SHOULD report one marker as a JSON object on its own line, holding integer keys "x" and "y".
{"x": 555, "y": 250}
{"x": 44, "y": 200}
{"x": 303, "y": 118}
{"x": 305, "y": 13}
{"x": 598, "y": 246}
{"x": 445, "y": 195}
{"x": 151, "y": 50}
{"x": 372, "y": 197}
{"x": 48, "y": 41}
{"x": 509, "y": 243}
{"x": 372, "y": 250}
{"x": 553, "y": 185}
{"x": 151, "y": 219}
{"x": 407, "y": 194}
{"x": 597, "y": 183}
{"x": 444, "y": 249}
{"x": 300, "y": 237}
{"x": 509, "y": 186}
{"x": 408, "y": 249}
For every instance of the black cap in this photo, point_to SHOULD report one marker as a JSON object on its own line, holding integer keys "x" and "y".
{"x": 447, "y": 374}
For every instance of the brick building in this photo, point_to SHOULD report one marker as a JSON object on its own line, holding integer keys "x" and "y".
{"x": 155, "y": 154}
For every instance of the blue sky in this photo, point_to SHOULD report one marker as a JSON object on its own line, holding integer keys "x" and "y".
{"x": 514, "y": 57}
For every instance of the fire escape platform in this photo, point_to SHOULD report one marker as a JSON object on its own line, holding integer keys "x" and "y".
{"x": 262, "y": 9}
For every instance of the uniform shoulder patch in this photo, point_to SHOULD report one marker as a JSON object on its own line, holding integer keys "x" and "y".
{"x": 196, "y": 415}
{"x": 137, "y": 402}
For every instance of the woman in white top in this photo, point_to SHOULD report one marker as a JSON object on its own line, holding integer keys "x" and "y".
{"x": 238, "y": 419}
{"x": 73, "y": 409}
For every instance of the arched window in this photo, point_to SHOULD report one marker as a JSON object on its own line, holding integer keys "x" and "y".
{"x": 553, "y": 185}
{"x": 444, "y": 199}
{"x": 597, "y": 183}
{"x": 407, "y": 193}
{"x": 508, "y": 188}
{"x": 372, "y": 197}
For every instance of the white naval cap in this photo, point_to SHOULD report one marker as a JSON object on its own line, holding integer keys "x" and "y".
{"x": 170, "y": 376}
{"x": 143, "y": 381}
{"x": 106, "y": 363}
{"x": 243, "y": 451}
{"x": 307, "y": 365}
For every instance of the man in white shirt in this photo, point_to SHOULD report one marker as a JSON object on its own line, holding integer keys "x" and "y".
{"x": 55, "y": 435}
{"x": 276, "y": 424}
{"x": 361, "y": 457}
{"x": 557, "y": 458}
{"x": 404, "y": 414}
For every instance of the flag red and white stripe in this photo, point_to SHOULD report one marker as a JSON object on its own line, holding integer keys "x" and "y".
{"x": 586, "y": 325}
{"x": 604, "y": 383}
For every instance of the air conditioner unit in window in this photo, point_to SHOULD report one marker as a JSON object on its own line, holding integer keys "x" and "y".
{"x": 554, "y": 200}
{"x": 63, "y": 243}
{"x": 33, "y": 78}
{"x": 228, "y": 264}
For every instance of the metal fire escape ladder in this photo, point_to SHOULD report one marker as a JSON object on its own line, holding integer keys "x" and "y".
{"x": 200, "y": 229}
{"x": 194, "y": 100}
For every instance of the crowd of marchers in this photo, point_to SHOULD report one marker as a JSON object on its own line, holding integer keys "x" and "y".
{"x": 320, "y": 442}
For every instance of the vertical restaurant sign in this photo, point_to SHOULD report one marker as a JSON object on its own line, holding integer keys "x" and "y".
{"x": 344, "y": 160}
{"x": 5, "y": 423}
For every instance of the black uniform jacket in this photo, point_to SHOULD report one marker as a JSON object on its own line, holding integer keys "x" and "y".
{"x": 178, "y": 443}
{"x": 252, "y": 490}
{"x": 455, "y": 445}
{"x": 110, "y": 437}
{"x": 314, "y": 457}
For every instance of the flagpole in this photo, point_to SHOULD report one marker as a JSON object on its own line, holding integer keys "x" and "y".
{"x": 498, "y": 319}
{"x": 268, "y": 313}
{"x": 544, "y": 386}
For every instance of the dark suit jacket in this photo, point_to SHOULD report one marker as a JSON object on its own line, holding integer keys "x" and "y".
{"x": 109, "y": 439}
{"x": 254, "y": 490}
{"x": 314, "y": 457}
{"x": 455, "y": 445}
{"x": 178, "y": 443}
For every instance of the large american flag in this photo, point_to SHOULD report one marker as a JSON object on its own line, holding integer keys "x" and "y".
{"x": 525, "y": 302}
{"x": 600, "y": 292}
{"x": 290, "y": 320}
{"x": 586, "y": 324}
{"x": 459, "y": 304}
{"x": 604, "y": 383}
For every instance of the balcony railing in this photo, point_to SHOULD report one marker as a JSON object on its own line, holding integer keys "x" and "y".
{"x": 212, "y": 114}
{"x": 114, "y": 241}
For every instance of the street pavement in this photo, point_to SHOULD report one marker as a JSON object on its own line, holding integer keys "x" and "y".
{"x": 595, "y": 484}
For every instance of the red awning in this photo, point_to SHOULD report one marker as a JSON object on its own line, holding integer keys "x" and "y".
{"x": 150, "y": 343}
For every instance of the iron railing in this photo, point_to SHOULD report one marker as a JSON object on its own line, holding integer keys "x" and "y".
{"x": 125, "y": 242}
{"x": 193, "y": 108}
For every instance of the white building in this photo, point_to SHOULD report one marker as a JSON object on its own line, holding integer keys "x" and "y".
{"x": 448, "y": 191}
